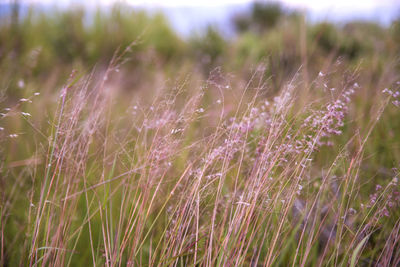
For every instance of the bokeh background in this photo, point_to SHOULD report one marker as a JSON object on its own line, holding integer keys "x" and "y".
{"x": 44, "y": 35}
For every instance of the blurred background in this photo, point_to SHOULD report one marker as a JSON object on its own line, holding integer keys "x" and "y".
{"x": 49, "y": 38}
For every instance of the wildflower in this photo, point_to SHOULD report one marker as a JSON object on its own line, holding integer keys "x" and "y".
{"x": 26, "y": 114}
{"x": 385, "y": 212}
{"x": 387, "y": 91}
{"x": 352, "y": 211}
{"x": 300, "y": 187}
{"x": 21, "y": 84}
{"x": 372, "y": 199}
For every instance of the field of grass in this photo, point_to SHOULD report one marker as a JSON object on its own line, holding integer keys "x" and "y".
{"x": 122, "y": 144}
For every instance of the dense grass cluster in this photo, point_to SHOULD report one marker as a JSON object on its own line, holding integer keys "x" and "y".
{"x": 278, "y": 148}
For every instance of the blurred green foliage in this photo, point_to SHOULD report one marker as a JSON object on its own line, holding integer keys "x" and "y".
{"x": 261, "y": 18}
{"x": 51, "y": 43}
{"x": 209, "y": 49}
{"x": 41, "y": 40}
{"x": 67, "y": 37}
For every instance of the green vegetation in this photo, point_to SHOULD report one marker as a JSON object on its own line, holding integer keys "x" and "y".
{"x": 123, "y": 144}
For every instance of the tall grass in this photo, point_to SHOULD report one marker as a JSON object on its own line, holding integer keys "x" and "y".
{"x": 160, "y": 159}
{"x": 200, "y": 172}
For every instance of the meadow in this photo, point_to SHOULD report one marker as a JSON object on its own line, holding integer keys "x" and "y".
{"x": 125, "y": 144}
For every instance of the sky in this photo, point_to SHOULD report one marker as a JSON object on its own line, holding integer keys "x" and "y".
{"x": 187, "y": 16}
{"x": 312, "y": 4}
